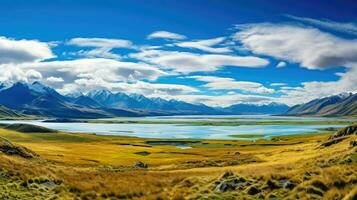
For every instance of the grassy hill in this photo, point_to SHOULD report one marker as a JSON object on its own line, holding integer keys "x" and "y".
{"x": 85, "y": 166}
{"x": 28, "y": 128}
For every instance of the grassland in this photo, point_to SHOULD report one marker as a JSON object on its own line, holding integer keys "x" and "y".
{"x": 86, "y": 166}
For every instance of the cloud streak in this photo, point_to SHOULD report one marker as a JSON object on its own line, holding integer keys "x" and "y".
{"x": 102, "y": 47}
{"x": 185, "y": 62}
{"x": 350, "y": 28}
{"x": 220, "y": 83}
{"x": 166, "y": 35}
{"x": 206, "y": 45}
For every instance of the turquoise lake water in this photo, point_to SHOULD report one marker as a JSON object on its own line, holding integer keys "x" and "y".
{"x": 175, "y": 131}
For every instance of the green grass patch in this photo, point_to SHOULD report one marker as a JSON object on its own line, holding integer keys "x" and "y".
{"x": 28, "y": 128}
{"x": 248, "y": 136}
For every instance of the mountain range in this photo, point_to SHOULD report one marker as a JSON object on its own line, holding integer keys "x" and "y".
{"x": 332, "y": 106}
{"x": 37, "y": 99}
{"x": 22, "y": 99}
{"x": 40, "y": 100}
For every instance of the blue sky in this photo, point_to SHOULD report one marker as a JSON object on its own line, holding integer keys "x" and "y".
{"x": 212, "y": 52}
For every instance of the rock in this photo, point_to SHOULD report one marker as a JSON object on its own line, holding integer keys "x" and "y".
{"x": 237, "y": 153}
{"x": 272, "y": 185}
{"x": 225, "y": 186}
{"x": 227, "y": 174}
{"x": 49, "y": 184}
{"x": 252, "y": 190}
{"x": 286, "y": 184}
{"x": 349, "y": 130}
{"x": 353, "y": 143}
{"x": 333, "y": 141}
{"x": 230, "y": 182}
{"x": 340, "y": 135}
{"x": 10, "y": 149}
{"x": 141, "y": 165}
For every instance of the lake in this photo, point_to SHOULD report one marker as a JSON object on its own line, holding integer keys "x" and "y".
{"x": 175, "y": 131}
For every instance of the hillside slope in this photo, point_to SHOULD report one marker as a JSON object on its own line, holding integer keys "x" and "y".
{"x": 6, "y": 112}
{"x": 333, "y": 106}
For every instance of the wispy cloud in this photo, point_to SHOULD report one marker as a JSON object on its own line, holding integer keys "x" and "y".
{"x": 277, "y": 84}
{"x": 225, "y": 100}
{"x": 166, "y": 35}
{"x": 102, "y": 47}
{"x": 185, "y": 62}
{"x": 222, "y": 83}
{"x": 350, "y": 28}
{"x": 206, "y": 45}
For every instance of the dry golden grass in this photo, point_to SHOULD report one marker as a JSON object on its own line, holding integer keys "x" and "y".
{"x": 101, "y": 167}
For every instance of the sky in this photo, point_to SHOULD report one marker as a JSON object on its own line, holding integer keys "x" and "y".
{"x": 216, "y": 52}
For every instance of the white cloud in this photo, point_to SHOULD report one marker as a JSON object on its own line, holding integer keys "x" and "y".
{"x": 220, "y": 83}
{"x": 140, "y": 87}
{"x": 224, "y": 100}
{"x": 281, "y": 64}
{"x": 317, "y": 89}
{"x": 60, "y": 74}
{"x": 102, "y": 47}
{"x": 277, "y": 84}
{"x": 206, "y": 45}
{"x": 185, "y": 62}
{"x": 21, "y": 51}
{"x": 33, "y": 75}
{"x": 166, "y": 35}
{"x": 53, "y": 79}
{"x": 107, "y": 69}
{"x": 98, "y": 53}
{"x": 100, "y": 42}
{"x": 350, "y": 28}
{"x": 11, "y": 74}
{"x": 310, "y": 47}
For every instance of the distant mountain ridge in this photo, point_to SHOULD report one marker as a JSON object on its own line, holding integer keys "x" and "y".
{"x": 333, "y": 106}
{"x": 41, "y": 100}
{"x": 140, "y": 102}
{"x": 249, "y": 109}
{"x": 37, "y": 99}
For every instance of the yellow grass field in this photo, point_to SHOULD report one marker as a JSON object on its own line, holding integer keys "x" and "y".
{"x": 83, "y": 166}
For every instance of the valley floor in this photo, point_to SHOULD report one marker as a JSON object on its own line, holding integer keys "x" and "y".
{"x": 85, "y": 166}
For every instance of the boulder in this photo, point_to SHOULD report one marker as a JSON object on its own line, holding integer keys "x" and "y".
{"x": 349, "y": 130}
{"x": 8, "y": 148}
{"x": 286, "y": 184}
{"x": 229, "y": 182}
{"x": 353, "y": 143}
{"x": 252, "y": 190}
{"x": 141, "y": 165}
